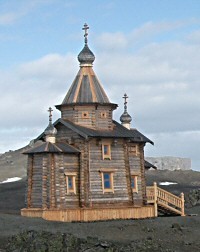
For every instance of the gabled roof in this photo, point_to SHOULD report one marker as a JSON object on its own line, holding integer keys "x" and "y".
{"x": 119, "y": 131}
{"x": 48, "y": 147}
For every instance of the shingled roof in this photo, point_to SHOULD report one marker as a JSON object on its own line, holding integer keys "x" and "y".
{"x": 48, "y": 147}
{"x": 119, "y": 131}
{"x": 86, "y": 88}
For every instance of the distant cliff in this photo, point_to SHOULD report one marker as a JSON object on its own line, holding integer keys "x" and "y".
{"x": 170, "y": 163}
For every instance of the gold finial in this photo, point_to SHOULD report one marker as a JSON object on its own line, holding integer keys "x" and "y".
{"x": 50, "y": 114}
{"x": 85, "y": 28}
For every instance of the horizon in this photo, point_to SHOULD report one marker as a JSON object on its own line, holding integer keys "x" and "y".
{"x": 147, "y": 49}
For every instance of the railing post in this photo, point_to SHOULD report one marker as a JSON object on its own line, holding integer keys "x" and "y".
{"x": 182, "y": 205}
{"x": 155, "y": 199}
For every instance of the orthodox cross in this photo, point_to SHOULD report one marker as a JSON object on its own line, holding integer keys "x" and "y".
{"x": 125, "y": 97}
{"x": 50, "y": 114}
{"x": 85, "y": 28}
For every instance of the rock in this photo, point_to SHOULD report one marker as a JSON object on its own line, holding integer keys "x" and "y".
{"x": 176, "y": 226}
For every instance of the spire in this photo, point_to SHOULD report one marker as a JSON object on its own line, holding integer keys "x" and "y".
{"x": 86, "y": 56}
{"x": 50, "y": 131}
{"x": 125, "y": 118}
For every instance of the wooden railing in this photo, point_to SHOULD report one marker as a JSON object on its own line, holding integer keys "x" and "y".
{"x": 165, "y": 200}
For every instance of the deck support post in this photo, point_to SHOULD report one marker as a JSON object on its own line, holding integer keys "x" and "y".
{"x": 155, "y": 199}
{"x": 182, "y": 205}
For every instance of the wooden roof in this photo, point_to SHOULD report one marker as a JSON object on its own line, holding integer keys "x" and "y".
{"x": 119, "y": 131}
{"x": 48, "y": 147}
{"x": 86, "y": 88}
{"x": 148, "y": 165}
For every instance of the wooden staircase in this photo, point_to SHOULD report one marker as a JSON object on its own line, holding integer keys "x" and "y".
{"x": 164, "y": 201}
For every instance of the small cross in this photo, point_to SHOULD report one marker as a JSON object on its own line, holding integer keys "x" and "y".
{"x": 50, "y": 114}
{"x": 85, "y": 28}
{"x": 125, "y": 97}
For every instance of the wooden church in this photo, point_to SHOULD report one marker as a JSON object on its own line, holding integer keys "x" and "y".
{"x": 87, "y": 166}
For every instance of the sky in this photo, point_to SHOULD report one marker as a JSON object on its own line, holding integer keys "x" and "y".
{"x": 149, "y": 49}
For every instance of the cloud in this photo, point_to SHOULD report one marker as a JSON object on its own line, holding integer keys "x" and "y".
{"x": 112, "y": 41}
{"x": 21, "y": 9}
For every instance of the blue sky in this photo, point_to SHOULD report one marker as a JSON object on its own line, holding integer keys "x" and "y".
{"x": 148, "y": 48}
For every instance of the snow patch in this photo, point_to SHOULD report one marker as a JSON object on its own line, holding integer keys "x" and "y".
{"x": 9, "y": 180}
{"x": 167, "y": 183}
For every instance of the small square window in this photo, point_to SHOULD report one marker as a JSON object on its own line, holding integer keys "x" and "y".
{"x": 106, "y": 152}
{"x": 85, "y": 114}
{"x": 71, "y": 183}
{"x": 134, "y": 150}
{"x": 103, "y": 114}
{"x": 134, "y": 185}
{"x": 107, "y": 182}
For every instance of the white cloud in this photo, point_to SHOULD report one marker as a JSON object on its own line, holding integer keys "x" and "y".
{"x": 21, "y": 9}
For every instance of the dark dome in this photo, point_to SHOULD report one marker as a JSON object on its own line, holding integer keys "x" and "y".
{"x": 50, "y": 130}
{"x": 86, "y": 56}
{"x": 125, "y": 118}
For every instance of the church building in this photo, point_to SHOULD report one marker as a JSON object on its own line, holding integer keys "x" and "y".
{"x": 86, "y": 166}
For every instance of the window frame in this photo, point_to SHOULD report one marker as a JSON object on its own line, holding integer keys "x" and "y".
{"x": 111, "y": 172}
{"x": 134, "y": 150}
{"x": 135, "y": 178}
{"x": 106, "y": 156}
{"x": 73, "y": 189}
{"x": 86, "y": 116}
{"x": 103, "y": 114}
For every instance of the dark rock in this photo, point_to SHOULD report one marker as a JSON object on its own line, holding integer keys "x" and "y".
{"x": 176, "y": 226}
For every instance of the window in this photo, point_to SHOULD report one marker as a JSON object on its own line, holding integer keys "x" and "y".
{"x": 107, "y": 182}
{"x": 134, "y": 150}
{"x": 85, "y": 114}
{"x": 103, "y": 114}
{"x": 134, "y": 185}
{"x": 106, "y": 153}
{"x": 71, "y": 182}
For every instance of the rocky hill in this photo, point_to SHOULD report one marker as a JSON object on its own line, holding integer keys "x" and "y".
{"x": 170, "y": 163}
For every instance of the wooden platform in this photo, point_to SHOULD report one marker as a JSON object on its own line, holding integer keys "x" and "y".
{"x": 90, "y": 214}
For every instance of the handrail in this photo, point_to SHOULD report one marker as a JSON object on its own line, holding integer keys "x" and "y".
{"x": 163, "y": 198}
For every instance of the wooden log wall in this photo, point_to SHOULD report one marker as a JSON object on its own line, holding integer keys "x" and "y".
{"x": 143, "y": 178}
{"x": 135, "y": 169}
{"x": 94, "y": 120}
{"x": 36, "y": 181}
{"x": 117, "y": 165}
{"x": 70, "y": 165}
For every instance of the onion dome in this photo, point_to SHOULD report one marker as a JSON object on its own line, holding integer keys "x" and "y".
{"x": 86, "y": 56}
{"x": 50, "y": 132}
{"x": 125, "y": 118}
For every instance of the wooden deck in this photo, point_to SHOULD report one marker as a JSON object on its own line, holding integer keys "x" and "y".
{"x": 90, "y": 214}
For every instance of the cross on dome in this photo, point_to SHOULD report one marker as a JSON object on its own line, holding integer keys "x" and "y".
{"x": 125, "y": 97}
{"x": 85, "y": 28}
{"x": 50, "y": 110}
